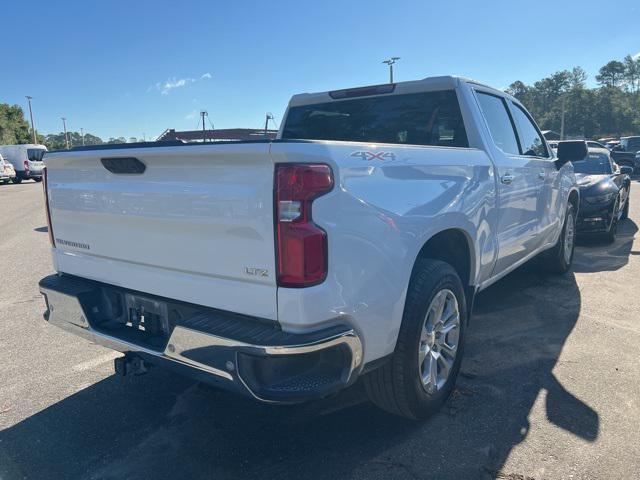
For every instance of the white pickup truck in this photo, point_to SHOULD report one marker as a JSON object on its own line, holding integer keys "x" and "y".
{"x": 350, "y": 247}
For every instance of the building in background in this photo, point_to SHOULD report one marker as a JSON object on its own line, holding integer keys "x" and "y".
{"x": 217, "y": 135}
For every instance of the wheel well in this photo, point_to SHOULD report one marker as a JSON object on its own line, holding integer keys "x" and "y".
{"x": 574, "y": 199}
{"x": 450, "y": 246}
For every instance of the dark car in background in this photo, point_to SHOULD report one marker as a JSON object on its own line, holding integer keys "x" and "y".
{"x": 626, "y": 153}
{"x": 604, "y": 193}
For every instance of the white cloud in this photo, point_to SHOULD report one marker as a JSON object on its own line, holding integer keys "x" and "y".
{"x": 172, "y": 83}
{"x": 193, "y": 114}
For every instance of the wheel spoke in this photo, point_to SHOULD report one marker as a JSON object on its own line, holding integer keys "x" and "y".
{"x": 439, "y": 338}
{"x": 422, "y": 353}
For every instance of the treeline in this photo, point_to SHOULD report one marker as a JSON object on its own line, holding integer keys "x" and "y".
{"x": 14, "y": 129}
{"x": 610, "y": 110}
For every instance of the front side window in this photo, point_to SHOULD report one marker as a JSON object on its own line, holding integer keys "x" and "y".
{"x": 428, "y": 118}
{"x": 495, "y": 113}
{"x": 530, "y": 138}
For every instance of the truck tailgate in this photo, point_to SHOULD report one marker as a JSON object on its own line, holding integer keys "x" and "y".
{"x": 196, "y": 225}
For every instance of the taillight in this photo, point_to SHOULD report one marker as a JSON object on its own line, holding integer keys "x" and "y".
{"x": 26, "y": 166}
{"x": 301, "y": 244}
{"x": 45, "y": 187}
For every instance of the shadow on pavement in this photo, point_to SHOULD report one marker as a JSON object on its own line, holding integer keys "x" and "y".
{"x": 163, "y": 426}
{"x": 601, "y": 256}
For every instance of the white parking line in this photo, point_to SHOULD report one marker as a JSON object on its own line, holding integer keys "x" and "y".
{"x": 94, "y": 362}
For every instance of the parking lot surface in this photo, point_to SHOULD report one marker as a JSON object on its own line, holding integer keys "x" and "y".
{"x": 549, "y": 389}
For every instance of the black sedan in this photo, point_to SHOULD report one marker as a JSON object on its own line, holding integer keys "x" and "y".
{"x": 604, "y": 193}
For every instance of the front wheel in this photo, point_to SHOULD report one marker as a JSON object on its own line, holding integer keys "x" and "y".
{"x": 558, "y": 259}
{"x": 422, "y": 372}
{"x": 625, "y": 210}
{"x": 611, "y": 234}
{"x": 17, "y": 180}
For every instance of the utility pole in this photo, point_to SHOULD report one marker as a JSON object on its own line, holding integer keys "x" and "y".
{"x": 266, "y": 123}
{"x": 564, "y": 99}
{"x": 66, "y": 137}
{"x": 390, "y": 62}
{"x": 82, "y": 135}
{"x": 33, "y": 128}
{"x": 203, "y": 114}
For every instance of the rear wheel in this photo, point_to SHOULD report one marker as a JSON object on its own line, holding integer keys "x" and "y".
{"x": 558, "y": 259}
{"x": 37, "y": 179}
{"x": 422, "y": 372}
{"x": 17, "y": 180}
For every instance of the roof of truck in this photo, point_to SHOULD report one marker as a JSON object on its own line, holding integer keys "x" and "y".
{"x": 428, "y": 83}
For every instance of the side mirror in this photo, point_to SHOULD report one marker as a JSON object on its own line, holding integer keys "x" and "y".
{"x": 626, "y": 170}
{"x": 571, "y": 151}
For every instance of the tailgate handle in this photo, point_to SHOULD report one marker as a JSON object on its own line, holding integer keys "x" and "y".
{"x": 130, "y": 165}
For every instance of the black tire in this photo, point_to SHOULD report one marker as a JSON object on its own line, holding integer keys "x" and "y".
{"x": 37, "y": 179}
{"x": 555, "y": 260}
{"x": 17, "y": 179}
{"x": 397, "y": 386}
{"x": 625, "y": 211}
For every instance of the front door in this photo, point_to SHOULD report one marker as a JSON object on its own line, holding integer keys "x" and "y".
{"x": 518, "y": 185}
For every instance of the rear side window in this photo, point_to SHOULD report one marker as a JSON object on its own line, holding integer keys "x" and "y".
{"x": 530, "y": 138}
{"x": 495, "y": 113}
{"x": 428, "y": 118}
{"x": 35, "y": 154}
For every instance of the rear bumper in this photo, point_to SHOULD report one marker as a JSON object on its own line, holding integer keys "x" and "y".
{"x": 235, "y": 352}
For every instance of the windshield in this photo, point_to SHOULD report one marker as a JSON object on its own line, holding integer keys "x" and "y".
{"x": 35, "y": 154}
{"x": 594, "y": 164}
{"x": 429, "y": 118}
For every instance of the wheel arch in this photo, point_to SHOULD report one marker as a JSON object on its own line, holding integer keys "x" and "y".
{"x": 454, "y": 246}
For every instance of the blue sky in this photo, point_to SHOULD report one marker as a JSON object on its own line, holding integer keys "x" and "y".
{"x": 126, "y": 68}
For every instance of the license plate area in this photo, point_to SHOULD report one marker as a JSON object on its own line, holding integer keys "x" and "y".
{"x": 147, "y": 316}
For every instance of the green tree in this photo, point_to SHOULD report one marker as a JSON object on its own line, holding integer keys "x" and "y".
{"x": 14, "y": 129}
{"x": 632, "y": 73}
{"x": 611, "y": 74}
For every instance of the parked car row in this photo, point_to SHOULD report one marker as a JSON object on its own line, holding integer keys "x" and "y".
{"x": 21, "y": 162}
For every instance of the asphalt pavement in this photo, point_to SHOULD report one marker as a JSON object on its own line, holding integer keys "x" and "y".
{"x": 549, "y": 389}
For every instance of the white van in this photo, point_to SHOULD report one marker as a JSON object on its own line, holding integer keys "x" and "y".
{"x": 26, "y": 160}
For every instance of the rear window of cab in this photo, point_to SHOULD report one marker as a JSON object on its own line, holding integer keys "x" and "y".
{"x": 427, "y": 118}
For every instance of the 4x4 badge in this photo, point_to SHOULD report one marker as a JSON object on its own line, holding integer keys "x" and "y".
{"x": 368, "y": 155}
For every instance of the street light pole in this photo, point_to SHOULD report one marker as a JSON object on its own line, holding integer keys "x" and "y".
{"x": 66, "y": 137}
{"x": 82, "y": 135}
{"x": 204, "y": 131}
{"x": 390, "y": 62}
{"x": 564, "y": 99}
{"x": 33, "y": 128}
{"x": 266, "y": 123}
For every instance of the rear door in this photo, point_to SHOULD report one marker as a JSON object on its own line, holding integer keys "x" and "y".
{"x": 517, "y": 184}
{"x": 195, "y": 223}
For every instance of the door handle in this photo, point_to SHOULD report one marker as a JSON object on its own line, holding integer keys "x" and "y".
{"x": 507, "y": 178}
{"x": 542, "y": 175}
